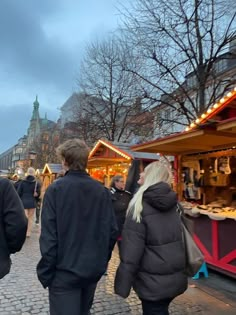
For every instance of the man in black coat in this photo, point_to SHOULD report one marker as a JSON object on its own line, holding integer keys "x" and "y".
{"x": 120, "y": 200}
{"x": 13, "y": 224}
{"x": 78, "y": 234}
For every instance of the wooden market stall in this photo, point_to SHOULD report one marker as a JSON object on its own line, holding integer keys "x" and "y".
{"x": 205, "y": 162}
{"x": 107, "y": 159}
{"x": 50, "y": 172}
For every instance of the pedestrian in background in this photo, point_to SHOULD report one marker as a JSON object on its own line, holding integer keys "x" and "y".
{"x": 38, "y": 200}
{"x": 29, "y": 190}
{"x": 16, "y": 180}
{"x": 152, "y": 250}
{"x": 120, "y": 201}
{"x": 13, "y": 225}
{"x": 78, "y": 233}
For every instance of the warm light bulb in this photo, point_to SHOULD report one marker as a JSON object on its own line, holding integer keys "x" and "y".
{"x": 222, "y": 100}
{"x": 229, "y": 94}
{"x": 187, "y": 129}
{"x": 209, "y": 110}
{"x": 203, "y": 115}
{"x": 215, "y": 105}
{"x": 192, "y": 125}
{"x": 197, "y": 120}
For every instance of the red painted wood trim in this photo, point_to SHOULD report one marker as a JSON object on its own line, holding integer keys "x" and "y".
{"x": 229, "y": 257}
{"x": 215, "y": 239}
{"x": 203, "y": 249}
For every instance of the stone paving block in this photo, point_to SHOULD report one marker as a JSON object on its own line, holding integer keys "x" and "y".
{"x": 22, "y": 294}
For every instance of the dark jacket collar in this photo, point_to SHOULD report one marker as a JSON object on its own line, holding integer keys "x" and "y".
{"x": 76, "y": 173}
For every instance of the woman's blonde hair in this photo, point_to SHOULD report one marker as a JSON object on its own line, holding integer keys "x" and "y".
{"x": 31, "y": 171}
{"x": 154, "y": 173}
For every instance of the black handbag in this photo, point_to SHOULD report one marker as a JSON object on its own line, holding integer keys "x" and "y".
{"x": 194, "y": 257}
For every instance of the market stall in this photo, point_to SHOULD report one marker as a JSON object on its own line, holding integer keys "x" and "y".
{"x": 50, "y": 172}
{"x": 107, "y": 159}
{"x": 205, "y": 161}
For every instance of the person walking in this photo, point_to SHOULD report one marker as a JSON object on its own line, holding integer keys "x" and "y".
{"x": 13, "y": 225}
{"x": 29, "y": 190}
{"x": 78, "y": 233}
{"x": 120, "y": 200}
{"x": 152, "y": 250}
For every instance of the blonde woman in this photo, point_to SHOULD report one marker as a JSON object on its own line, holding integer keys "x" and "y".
{"x": 29, "y": 190}
{"x": 152, "y": 251}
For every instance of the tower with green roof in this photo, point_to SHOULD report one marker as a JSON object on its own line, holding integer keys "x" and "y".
{"x": 34, "y": 127}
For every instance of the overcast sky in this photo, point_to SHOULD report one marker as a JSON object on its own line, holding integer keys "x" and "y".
{"x": 41, "y": 46}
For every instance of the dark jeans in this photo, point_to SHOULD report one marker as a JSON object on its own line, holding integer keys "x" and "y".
{"x": 156, "y": 307}
{"x": 71, "y": 302}
{"x": 38, "y": 208}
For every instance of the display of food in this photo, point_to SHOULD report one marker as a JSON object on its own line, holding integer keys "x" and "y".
{"x": 215, "y": 210}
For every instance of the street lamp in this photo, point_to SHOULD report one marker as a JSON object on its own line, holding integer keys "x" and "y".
{"x": 32, "y": 156}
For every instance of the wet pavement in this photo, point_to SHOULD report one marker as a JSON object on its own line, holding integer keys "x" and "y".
{"x": 22, "y": 294}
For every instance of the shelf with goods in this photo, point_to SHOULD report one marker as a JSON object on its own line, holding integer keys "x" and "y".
{"x": 205, "y": 179}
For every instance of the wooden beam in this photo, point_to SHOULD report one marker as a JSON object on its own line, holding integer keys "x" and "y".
{"x": 220, "y": 133}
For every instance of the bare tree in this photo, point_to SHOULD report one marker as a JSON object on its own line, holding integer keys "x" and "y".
{"x": 182, "y": 49}
{"x": 109, "y": 91}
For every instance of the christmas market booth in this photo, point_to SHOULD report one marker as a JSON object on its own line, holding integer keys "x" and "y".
{"x": 205, "y": 174}
{"x": 50, "y": 172}
{"x": 107, "y": 159}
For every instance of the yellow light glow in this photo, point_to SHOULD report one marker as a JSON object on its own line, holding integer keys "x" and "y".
{"x": 209, "y": 110}
{"x": 187, "y": 129}
{"x": 203, "y": 116}
{"x": 110, "y": 147}
{"x": 192, "y": 125}
{"x": 215, "y": 105}
{"x": 235, "y": 88}
{"x": 115, "y": 150}
{"x": 197, "y": 120}
{"x": 222, "y": 100}
{"x": 229, "y": 94}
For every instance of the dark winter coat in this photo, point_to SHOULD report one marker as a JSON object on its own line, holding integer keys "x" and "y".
{"x": 120, "y": 201}
{"x": 152, "y": 252}
{"x": 13, "y": 224}
{"x": 78, "y": 232}
{"x": 17, "y": 184}
{"x": 26, "y": 192}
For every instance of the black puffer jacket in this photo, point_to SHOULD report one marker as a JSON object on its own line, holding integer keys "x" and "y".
{"x": 13, "y": 224}
{"x": 152, "y": 252}
{"x": 120, "y": 200}
{"x": 26, "y": 191}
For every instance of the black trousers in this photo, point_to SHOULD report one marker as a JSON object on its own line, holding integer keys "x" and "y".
{"x": 156, "y": 307}
{"x": 71, "y": 301}
{"x": 38, "y": 210}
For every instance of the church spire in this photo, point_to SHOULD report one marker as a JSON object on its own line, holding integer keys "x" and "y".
{"x": 35, "y": 114}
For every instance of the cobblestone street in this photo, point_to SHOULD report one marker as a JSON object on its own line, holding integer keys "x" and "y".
{"x": 22, "y": 294}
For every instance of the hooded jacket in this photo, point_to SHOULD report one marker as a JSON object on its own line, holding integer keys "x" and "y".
{"x": 152, "y": 252}
{"x": 26, "y": 191}
{"x": 13, "y": 224}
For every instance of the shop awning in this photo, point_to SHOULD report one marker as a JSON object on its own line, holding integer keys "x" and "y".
{"x": 190, "y": 142}
{"x": 212, "y": 131}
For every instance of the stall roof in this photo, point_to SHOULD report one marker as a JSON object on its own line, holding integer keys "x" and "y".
{"x": 52, "y": 168}
{"x": 105, "y": 153}
{"x": 210, "y": 132}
